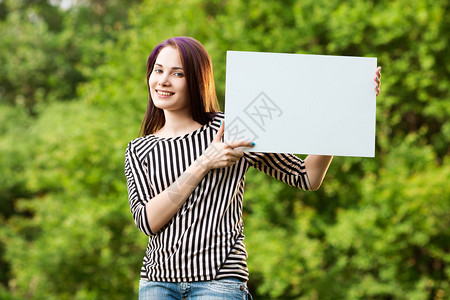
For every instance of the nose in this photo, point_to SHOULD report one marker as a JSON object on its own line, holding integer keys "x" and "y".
{"x": 164, "y": 80}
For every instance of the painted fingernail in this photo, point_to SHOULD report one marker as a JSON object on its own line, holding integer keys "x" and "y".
{"x": 253, "y": 144}
{"x": 220, "y": 123}
{"x": 377, "y": 78}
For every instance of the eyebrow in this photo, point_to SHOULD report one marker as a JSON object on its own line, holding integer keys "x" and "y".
{"x": 173, "y": 68}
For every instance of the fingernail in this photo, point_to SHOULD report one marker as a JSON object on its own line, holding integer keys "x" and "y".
{"x": 377, "y": 78}
{"x": 220, "y": 123}
{"x": 253, "y": 144}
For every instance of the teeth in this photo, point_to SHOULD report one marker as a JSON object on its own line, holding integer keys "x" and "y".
{"x": 164, "y": 93}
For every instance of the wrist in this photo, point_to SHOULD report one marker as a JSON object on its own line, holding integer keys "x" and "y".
{"x": 203, "y": 163}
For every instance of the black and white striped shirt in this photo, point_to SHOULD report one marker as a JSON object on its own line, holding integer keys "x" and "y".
{"x": 204, "y": 240}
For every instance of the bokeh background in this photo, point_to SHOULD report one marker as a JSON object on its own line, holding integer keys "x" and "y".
{"x": 73, "y": 94}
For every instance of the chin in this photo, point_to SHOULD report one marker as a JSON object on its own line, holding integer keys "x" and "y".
{"x": 161, "y": 104}
{"x": 163, "y": 107}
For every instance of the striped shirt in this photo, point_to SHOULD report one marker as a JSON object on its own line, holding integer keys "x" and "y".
{"x": 204, "y": 240}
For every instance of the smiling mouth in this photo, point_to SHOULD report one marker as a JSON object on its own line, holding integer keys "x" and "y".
{"x": 164, "y": 93}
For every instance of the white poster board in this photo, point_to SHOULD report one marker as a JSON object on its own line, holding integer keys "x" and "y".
{"x": 299, "y": 103}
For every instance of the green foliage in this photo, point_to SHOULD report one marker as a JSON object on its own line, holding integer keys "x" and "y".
{"x": 80, "y": 227}
{"x": 47, "y": 52}
{"x": 395, "y": 242}
{"x": 38, "y": 64}
{"x": 377, "y": 229}
{"x": 12, "y": 183}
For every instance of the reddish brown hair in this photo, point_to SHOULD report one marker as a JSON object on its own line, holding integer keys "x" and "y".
{"x": 199, "y": 77}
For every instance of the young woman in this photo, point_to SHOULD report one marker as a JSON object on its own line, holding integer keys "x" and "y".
{"x": 186, "y": 186}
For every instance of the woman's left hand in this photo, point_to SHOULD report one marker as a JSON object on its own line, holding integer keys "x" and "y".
{"x": 378, "y": 80}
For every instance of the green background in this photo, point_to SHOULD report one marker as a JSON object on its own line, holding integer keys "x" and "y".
{"x": 73, "y": 94}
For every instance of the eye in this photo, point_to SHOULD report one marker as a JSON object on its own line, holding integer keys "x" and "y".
{"x": 179, "y": 74}
{"x": 159, "y": 71}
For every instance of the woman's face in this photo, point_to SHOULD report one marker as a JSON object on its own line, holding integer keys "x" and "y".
{"x": 168, "y": 85}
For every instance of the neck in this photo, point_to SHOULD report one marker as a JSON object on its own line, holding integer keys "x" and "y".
{"x": 178, "y": 123}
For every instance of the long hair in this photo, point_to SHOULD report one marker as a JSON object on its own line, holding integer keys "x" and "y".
{"x": 199, "y": 77}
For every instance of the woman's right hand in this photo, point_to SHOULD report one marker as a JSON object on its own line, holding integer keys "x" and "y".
{"x": 164, "y": 206}
{"x": 221, "y": 155}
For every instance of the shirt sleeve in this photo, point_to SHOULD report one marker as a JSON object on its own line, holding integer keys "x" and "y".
{"x": 138, "y": 189}
{"x": 285, "y": 167}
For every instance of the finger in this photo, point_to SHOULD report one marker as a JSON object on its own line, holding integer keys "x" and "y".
{"x": 232, "y": 160}
{"x": 218, "y": 137}
{"x": 378, "y": 72}
{"x": 377, "y": 86}
{"x": 236, "y": 154}
{"x": 377, "y": 80}
{"x": 241, "y": 144}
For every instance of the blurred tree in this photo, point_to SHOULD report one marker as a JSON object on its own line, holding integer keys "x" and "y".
{"x": 79, "y": 228}
{"x": 12, "y": 179}
{"x": 38, "y": 63}
{"x": 45, "y": 54}
{"x": 46, "y": 51}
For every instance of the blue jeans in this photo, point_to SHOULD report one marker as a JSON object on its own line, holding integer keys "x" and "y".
{"x": 225, "y": 289}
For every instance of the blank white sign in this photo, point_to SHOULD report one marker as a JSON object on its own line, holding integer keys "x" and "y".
{"x": 304, "y": 104}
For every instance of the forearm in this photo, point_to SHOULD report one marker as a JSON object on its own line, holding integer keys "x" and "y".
{"x": 164, "y": 206}
{"x": 316, "y": 168}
